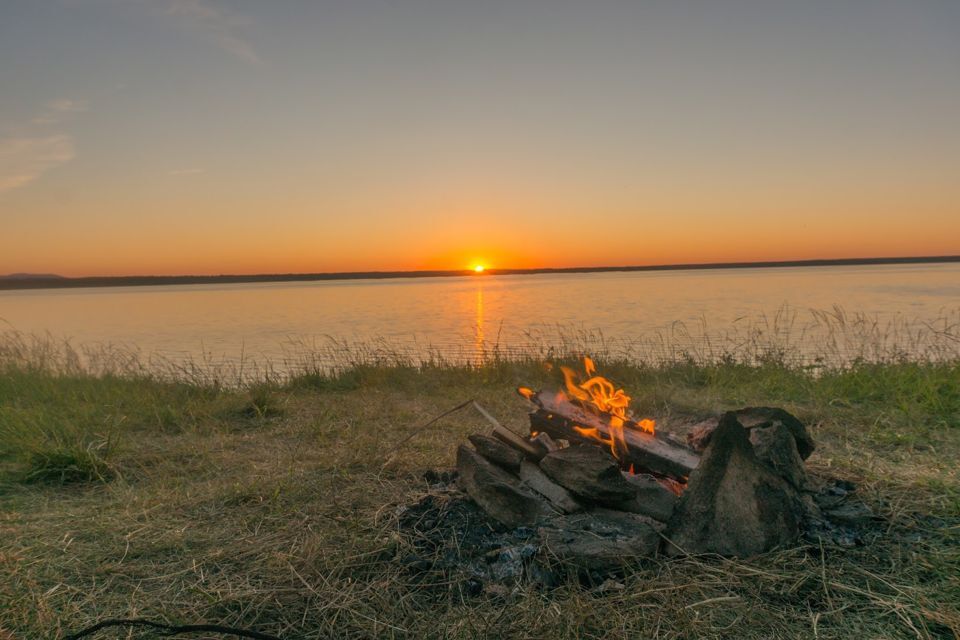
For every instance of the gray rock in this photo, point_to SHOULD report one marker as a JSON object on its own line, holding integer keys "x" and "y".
{"x": 776, "y": 447}
{"x": 600, "y": 541}
{"x": 759, "y": 417}
{"x": 734, "y": 505}
{"x": 588, "y": 472}
{"x": 497, "y": 452}
{"x": 700, "y": 434}
{"x": 503, "y": 496}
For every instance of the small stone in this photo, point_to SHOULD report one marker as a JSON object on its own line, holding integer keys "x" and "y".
{"x": 498, "y": 591}
{"x": 610, "y": 586}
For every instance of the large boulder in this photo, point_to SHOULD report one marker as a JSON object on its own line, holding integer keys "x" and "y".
{"x": 734, "y": 505}
{"x": 776, "y": 447}
{"x": 700, "y": 434}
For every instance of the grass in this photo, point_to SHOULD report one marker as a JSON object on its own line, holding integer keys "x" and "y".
{"x": 271, "y": 505}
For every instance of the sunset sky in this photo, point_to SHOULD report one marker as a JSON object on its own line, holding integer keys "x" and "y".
{"x": 217, "y": 136}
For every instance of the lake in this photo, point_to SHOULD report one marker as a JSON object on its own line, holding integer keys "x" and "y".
{"x": 883, "y": 310}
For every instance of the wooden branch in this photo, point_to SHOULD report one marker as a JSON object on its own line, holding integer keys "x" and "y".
{"x": 509, "y": 437}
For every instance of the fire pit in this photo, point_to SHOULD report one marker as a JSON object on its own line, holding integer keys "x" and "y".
{"x": 594, "y": 489}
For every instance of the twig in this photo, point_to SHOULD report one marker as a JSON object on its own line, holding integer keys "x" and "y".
{"x": 424, "y": 427}
{"x": 485, "y": 414}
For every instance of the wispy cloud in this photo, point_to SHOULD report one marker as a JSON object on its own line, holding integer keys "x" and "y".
{"x": 221, "y": 26}
{"x": 23, "y": 160}
{"x": 56, "y": 111}
{"x": 27, "y": 152}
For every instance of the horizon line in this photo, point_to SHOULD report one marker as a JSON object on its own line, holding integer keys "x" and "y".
{"x": 52, "y": 281}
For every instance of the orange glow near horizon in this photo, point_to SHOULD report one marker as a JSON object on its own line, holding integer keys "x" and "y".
{"x": 520, "y": 235}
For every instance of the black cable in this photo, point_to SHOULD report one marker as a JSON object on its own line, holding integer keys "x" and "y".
{"x": 171, "y": 630}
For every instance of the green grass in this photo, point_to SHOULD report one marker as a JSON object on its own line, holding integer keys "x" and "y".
{"x": 271, "y": 506}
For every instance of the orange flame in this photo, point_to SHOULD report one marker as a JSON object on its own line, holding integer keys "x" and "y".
{"x": 526, "y": 393}
{"x": 599, "y": 394}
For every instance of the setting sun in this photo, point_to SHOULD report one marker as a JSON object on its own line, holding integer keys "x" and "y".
{"x": 479, "y": 268}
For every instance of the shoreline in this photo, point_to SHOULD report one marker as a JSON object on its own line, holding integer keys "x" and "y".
{"x": 26, "y": 283}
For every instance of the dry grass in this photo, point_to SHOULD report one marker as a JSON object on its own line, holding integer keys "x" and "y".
{"x": 272, "y": 507}
{"x": 815, "y": 339}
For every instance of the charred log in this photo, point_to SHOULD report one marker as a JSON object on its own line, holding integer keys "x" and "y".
{"x": 588, "y": 472}
{"x": 501, "y": 494}
{"x": 497, "y": 452}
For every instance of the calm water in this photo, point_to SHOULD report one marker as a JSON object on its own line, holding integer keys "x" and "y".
{"x": 463, "y": 318}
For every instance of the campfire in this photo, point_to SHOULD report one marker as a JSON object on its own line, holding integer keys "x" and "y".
{"x": 595, "y": 479}
{"x": 596, "y": 488}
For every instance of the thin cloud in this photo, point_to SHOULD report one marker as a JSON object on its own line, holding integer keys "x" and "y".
{"x": 24, "y": 159}
{"x": 219, "y": 25}
{"x": 26, "y": 153}
{"x": 56, "y": 111}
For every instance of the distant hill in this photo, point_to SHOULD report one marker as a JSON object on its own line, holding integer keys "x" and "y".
{"x": 31, "y": 276}
{"x": 52, "y": 281}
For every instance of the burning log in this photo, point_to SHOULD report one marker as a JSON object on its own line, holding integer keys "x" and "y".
{"x": 562, "y": 419}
